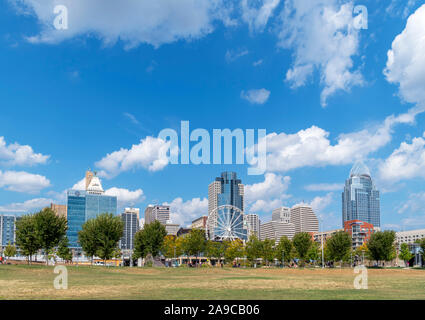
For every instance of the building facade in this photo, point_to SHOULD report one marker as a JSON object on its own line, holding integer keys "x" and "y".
{"x": 130, "y": 218}
{"x": 59, "y": 209}
{"x": 282, "y": 214}
{"x": 325, "y": 234}
{"x": 253, "y": 221}
{"x": 7, "y": 230}
{"x": 83, "y": 205}
{"x": 199, "y": 223}
{"x": 275, "y": 230}
{"x": 172, "y": 229}
{"x": 304, "y": 219}
{"x": 359, "y": 231}
{"x": 409, "y": 237}
{"x": 360, "y": 199}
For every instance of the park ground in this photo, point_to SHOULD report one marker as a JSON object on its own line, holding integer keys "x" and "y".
{"x": 99, "y": 282}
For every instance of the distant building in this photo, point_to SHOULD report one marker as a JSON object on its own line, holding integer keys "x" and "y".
{"x": 199, "y": 223}
{"x": 141, "y": 223}
{"x": 83, "y": 205}
{"x": 275, "y": 230}
{"x": 130, "y": 218}
{"x": 360, "y": 232}
{"x": 253, "y": 221}
{"x": 172, "y": 229}
{"x": 360, "y": 199}
{"x": 7, "y": 230}
{"x": 183, "y": 232}
{"x": 409, "y": 237}
{"x": 325, "y": 234}
{"x": 282, "y": 214}
{"x": 149, "y": 218}
{"x": 59, "y": 209}
{"x": 226, "y": 190}
{"x": 304, "y": 219}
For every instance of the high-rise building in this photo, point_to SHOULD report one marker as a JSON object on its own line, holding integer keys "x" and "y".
{"x": 149, "y": 218}
{"x": 199, "y": 223}
{"x": 275, "y": 230}
{"x": 226, "y": 189}
{"x": 282, "y": 214}
{"x": 130, "y": 218}
{"x": 87, "y": 204}
{"x": 89, "y": 176}
{"x": 59, "y": 209}
{"x": 253, "y": 221}
{"x": 7, "y": 230}
{"x": 360, "y": 199}
{"x": 161, "y": 213}
{"x": 304, "y": 219}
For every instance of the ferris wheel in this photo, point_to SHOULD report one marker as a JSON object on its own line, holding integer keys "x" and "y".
{"x": 227, "y": 222}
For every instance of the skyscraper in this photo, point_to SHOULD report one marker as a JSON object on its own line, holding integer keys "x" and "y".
{"x": 253, "y": 221}
{"x": 130, "y": 218}
{"x": 226, "y": 189}
{"x": 87, "y": 204}
{"x": 282, "y": 214}
{"x": 360, "y": 199}
{"x": 304, "y": 218}
{"x": 7, "y": 230}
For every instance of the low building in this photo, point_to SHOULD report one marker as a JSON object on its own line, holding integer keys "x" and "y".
{"x": 59, "y": 209}
{"x": 199, "y": 223}
{"x": 360, "y": 231}
{"x": 275, "y": 230}
{"x": 409, "y": 237}
{"x": 325, "y": 234}
{"x": 172, "y": 229}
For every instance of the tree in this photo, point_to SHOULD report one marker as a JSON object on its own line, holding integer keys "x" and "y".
{"x": 267, "y": 250}
{"x": 214, "y": 249}
{"x": 195, "y": 243}
{"x": 302, "y": 242}
{"x": 26, "y": 237}
{"x": 234, "y": 250}
{"x": 109, "y": 230}
{"x": 10, "y": 251}
{"x": 253, "y": 249}
{"x": 381, "y": 246}
{"x": 63, "y": 250}
{"x": 313, "y": 253}
{"x": 169, "y": 246}
{"x": 50, "y": 229}
{"x": 422, "y": 245}
{"x": 149, "y": 240}
{"x": 283, "y": 249}
{"x": 339, "y": 246}
{"x": 405, "y": 253}
{"x": 87, "y": 237}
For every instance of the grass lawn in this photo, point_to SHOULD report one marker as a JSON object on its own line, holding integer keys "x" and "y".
{"x": 98, "y": 282}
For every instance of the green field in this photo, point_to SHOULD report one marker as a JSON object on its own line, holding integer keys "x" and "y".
{"x": 36, "y": 282}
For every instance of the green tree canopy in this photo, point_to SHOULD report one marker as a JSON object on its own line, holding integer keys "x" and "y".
{"x": 172, "y": 246}
{"x": 234, "y": 249}
{"x": 381, "y": 246}
{"x": 253, "y": 249}
{"x": 422, "y": 245}
{"x": 214, "y": 249}
{"x": 63, "y": 250}
{"x": 283, "y": 249}
{"x": 149, "y": 240}
{"x": 50, "y": 229}
{"x": 109, "y": 230}
{"x": 195, "y": 242}
{"x": 267, "y": 250}
{"x": 26, "y": 236}
{"x": 313, "y": 253}
{"x": 405, "y": 253}
{"x": 339, "y": 246}
{"x": 10, "y": 251}
{"x": 302, "y": 242}
{"x": 87, "y": 237}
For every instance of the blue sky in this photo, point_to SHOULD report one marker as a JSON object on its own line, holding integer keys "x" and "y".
{"x": 81, "y": 98}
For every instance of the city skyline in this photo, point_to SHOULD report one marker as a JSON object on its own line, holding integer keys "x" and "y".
{"x": 101, "y": 105}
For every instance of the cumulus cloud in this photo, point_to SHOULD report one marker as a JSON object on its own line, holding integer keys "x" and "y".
{"x": 256, "y": 13}
{"x": 323, "y": 37}
{"x": 184, "y": 212}
{"x": 126, "y": 197}
{"x": 133, "y": 22}
{"x": 406, "y": 59}
{"x": 256, "y": 96}
{"x": 27, "y": 206}
{"x": 268, "y": 194}
{"x": 406, "y": 162}
{"x": 320, "y": 203}
{"x": 325, "y": 187}
{"x": 21, "y": 181}
{"x": 312, "y": 146}
{"x": 22, "y": 155}
{"x": 414, "y": 204}
{"x": 150, "y": 154}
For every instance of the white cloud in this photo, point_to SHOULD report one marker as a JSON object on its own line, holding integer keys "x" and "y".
{"x": 150, "y": 154}
{"x": 232, "y": 55}
{"x": 320, "y": 203}
{"x": 28, "y": 206}
{"x": 184, "y": 212}
{"x": 16, "y": 154}
{"x": 267, "y": 195}
{"x": 414, "y": 204}
{"x": 257, "y": 63}
{"x": 21, "y": 181}
{"x": 256, "y": 96}
{"x": 312, "y": 146}
{"x": 323, "y": 37}
{"x": 325, "y": 187}
{"x": 406, "y": 59}
{"x": 406, "y": 162}
{"x": 133, "y": 22}
{"x": 126, "y": 197}
{"x": 257, "y": 12}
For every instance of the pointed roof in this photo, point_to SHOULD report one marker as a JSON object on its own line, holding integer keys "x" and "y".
{"x": 95, "y": 186}
{"x": 359, "y": 169}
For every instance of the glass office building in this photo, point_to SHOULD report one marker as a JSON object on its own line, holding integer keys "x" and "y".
{"x": 360, "y": 199}
{"x": 85, "y": 205}
{"x": 7, "y": 230}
